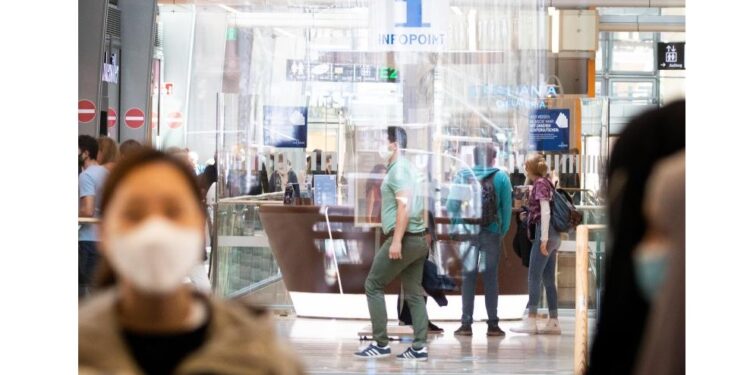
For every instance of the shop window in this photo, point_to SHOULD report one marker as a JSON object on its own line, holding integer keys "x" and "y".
{"x": 631, "y": 90}
{"x": 599, "y": 55}
{"x": 632, "y": 52}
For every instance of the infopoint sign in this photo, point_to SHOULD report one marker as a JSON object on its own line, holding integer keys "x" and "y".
{"x": 409, "y": 25}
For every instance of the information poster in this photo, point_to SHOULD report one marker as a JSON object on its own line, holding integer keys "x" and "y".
{"x": 548, "y": 130}
{"x": 285, "y": 126}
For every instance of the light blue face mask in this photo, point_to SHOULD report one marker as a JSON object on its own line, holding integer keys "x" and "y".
{"x": 650, "y": 271}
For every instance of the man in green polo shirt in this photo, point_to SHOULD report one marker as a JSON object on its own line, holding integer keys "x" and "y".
{"x": 402, "y": 254}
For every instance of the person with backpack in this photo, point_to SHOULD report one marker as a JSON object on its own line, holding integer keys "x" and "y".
{"x": 482, "y": 253}
{"x": 546, "y": 241}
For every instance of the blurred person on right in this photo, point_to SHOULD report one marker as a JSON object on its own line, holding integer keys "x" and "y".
{"x": 129, "y": 147}
{"x": 149, "y": 321}
{"x": 108, "y": 153}
{"x": 660, "y": 270}
{"x": 646, "y": 140}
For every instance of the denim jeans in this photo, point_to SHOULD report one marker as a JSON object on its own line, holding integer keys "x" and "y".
{"x": 480, "y": 255}
{"x": 87, "y": 259}
{"x": 542, "y": 270}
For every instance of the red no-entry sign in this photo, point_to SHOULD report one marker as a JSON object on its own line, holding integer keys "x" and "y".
{"x": 174, "y": 120}
{"x": 86, "y": 111}
{"x": 134, "y": 118}
{"x": 111, "y": 117}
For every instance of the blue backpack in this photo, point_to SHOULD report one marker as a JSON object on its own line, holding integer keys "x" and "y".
{"x": 564, "y": 214}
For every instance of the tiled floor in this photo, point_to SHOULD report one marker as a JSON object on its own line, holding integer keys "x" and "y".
{"x": 326, "y": 347}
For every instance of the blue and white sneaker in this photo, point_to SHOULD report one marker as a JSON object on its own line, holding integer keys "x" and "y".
{"x": 374, "y": 351}
{"x": 412, "y": 354}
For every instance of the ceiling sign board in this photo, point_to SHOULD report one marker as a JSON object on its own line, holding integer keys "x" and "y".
{"x": 409, "y": 25}
{"x": 300, "y": 70}
{"x": 134, "y": 118}
{"x": 86, "y": 111}
{"x": 671, "y": 56}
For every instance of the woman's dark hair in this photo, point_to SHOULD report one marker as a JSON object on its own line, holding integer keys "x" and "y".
{"x": 208, "y": 177}
{"x": 90, "y": 144}
{"x": 141, "y": 158}
{"x": 146, "y": 156}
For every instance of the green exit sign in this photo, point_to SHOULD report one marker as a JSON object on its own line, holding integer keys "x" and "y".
{"x": 388, "y": 74}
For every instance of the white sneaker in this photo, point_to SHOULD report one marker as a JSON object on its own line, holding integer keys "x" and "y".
{"x": 551, "y": 328}
{"x": 527, "y": 326}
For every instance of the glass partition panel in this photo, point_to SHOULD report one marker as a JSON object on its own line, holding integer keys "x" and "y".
{"x": 295, "y": 100}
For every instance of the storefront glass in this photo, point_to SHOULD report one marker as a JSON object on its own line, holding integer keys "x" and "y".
{"x": 292, "y": 101}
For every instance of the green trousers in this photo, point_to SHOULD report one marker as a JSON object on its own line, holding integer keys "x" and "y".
{"x": 383, "y": 271}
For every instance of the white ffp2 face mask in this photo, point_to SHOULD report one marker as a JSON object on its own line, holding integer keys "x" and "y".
{"x": 157, "y": 255}
{"x": 384, "y": 152}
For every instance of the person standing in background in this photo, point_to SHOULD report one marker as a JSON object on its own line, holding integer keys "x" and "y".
{"x": 569, "y": 177}
{"x": 483, "y": 253}
{"x": 402, "y": 254}
{"x": 108, "y": 153}
{"x": 372, "y": 192}
{"x": 543, "y": 258}
{"x": 129, "y": 147}
{"x": 90, "y": 184}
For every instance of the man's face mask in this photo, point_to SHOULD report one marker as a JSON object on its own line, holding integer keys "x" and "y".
{"x": 386, "y": 151}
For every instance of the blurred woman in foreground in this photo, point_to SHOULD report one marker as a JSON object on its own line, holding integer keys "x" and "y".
{"x": 150, "y": 321}
{"x": 660, "y": 270}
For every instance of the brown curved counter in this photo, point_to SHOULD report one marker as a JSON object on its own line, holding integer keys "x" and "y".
{"x": 295, "y": 233}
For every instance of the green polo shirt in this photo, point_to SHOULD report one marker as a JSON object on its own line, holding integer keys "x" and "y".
{"x": 401, "y": 176}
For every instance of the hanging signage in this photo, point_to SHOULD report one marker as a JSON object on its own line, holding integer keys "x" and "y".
{"x": 671, "y": 56}
{"x": 285, "y": 126}
{"x": 549, "y": 130}
{"x": 86, "y": 111}
{"x": 134, "y": 118}
{"x": 111, "y": 117}
{"x": 299, "y": 70}
{"x": 409, "y": 25}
